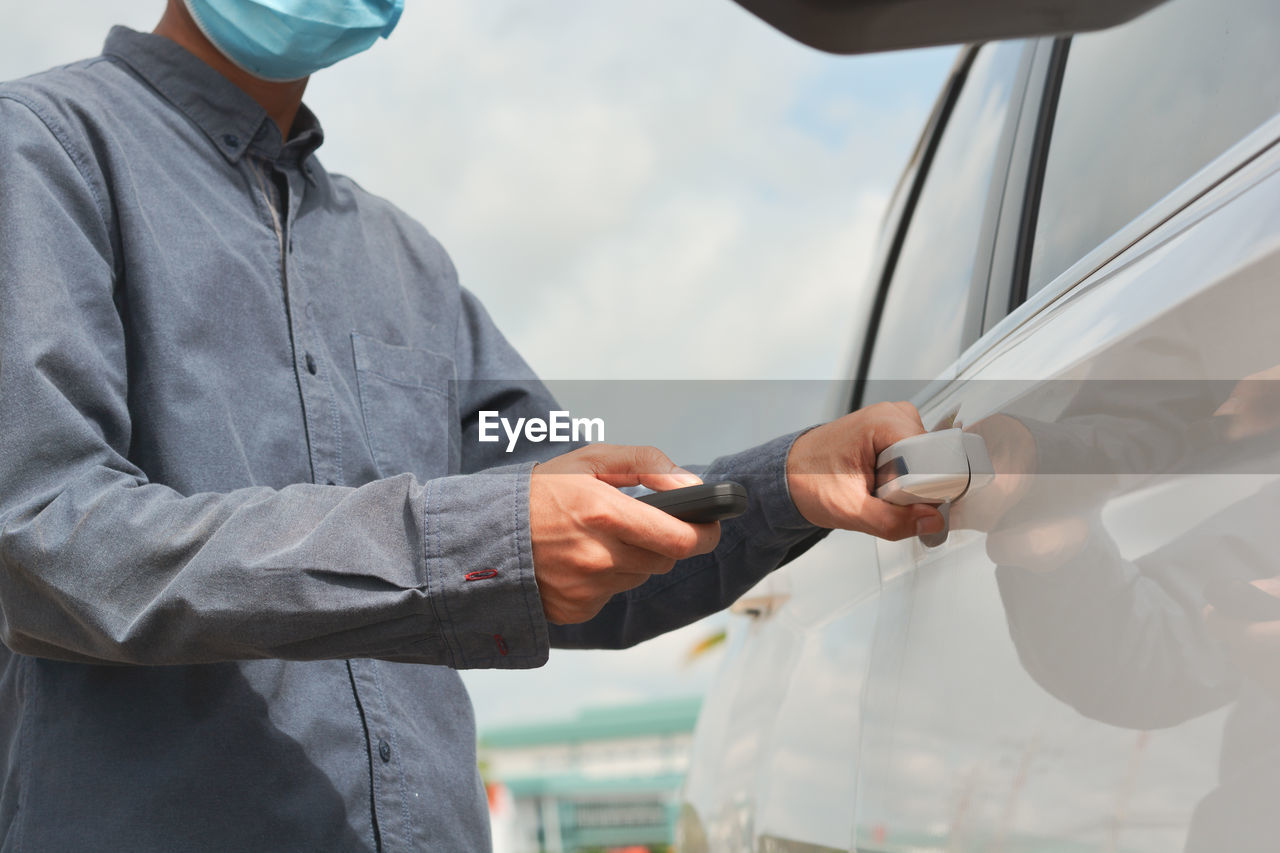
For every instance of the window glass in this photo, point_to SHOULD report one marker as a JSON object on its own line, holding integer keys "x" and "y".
{"x": 922, "y": 326}
{"x": 1142, "y": 108}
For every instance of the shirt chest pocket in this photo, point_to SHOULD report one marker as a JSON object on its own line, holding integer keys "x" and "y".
{"x": 408, "y": 398}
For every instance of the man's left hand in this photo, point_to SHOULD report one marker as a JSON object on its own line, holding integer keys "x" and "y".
{"x": 831, "y": 472}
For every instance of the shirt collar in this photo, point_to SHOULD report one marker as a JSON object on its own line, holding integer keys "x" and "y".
{"x": 232, "y": 120}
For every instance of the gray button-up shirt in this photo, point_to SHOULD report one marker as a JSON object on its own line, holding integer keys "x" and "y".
{"x": 244, "y": 538}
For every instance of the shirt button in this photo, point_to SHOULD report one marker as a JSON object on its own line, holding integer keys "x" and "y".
{"x": 311, "y": 365}
{"x": 384, "y": 750}
{"x": 231, "y": 140}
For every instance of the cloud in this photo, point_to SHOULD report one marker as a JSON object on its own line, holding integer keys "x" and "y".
{"x": 609, "y": 177}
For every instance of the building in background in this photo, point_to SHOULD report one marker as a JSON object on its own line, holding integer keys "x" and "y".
{"x": 607, "y": 780}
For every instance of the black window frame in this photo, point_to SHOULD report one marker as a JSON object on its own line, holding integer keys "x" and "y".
{"x": 1037, "y": 159}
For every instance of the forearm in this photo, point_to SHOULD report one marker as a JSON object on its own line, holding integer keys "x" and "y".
{"x": 1115, "y": 642}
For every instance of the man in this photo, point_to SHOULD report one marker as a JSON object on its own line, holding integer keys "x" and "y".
{"x": 247, "y": 529}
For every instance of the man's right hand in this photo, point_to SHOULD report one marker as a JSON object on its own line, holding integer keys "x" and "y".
{"x": 591, "y": 541}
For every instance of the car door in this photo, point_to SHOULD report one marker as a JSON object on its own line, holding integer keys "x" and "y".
{"x": 776, "y": 750}
{"x": 1074, "y": 669}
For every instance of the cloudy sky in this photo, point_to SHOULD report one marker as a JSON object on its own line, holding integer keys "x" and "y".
{"x": 647, "y": 189}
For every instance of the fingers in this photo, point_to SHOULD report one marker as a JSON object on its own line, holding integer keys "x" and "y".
{"x": 636, "y": 523}
{"x": 643, "y": 526}
{"x": 604, "y": 561}
{"x": 891, "y": 522}
{"x": 637, "y": 466}
{"x": 677, "y": 542}
{"x": 603, "y": 572}
{"x": 632, "y": 566}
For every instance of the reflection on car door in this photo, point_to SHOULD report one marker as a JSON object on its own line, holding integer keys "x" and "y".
{"x": 1069, "y": 671}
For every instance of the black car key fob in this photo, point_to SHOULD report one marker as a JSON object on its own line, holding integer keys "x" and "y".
{"x": 1242, "y": 601}
{"x": 703, "y": 503}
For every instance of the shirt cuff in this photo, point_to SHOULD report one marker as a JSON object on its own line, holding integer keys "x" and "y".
{"x": 772, "y": 514}
{"x": 479, "y": 569}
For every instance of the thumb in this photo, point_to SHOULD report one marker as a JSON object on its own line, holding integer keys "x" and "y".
{"x": 640, "y": 466}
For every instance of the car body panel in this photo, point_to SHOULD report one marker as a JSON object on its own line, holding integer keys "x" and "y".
{"x": 960, "y": 738}
{"x": 1053, "y": 677}
{"x": 790, "y": 713}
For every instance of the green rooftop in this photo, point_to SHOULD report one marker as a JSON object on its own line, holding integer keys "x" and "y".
{"x": 570, "y": 784}
{"x": 668, "y": 716}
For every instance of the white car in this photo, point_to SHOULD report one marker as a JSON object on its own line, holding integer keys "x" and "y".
{"x": 1081, "y": 264}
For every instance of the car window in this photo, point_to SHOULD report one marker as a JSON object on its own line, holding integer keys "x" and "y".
{"x": 922, "y": 326}
{"x": 1141, "y": 109}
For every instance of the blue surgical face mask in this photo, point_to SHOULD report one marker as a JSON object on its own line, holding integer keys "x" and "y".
{"x": 290, "y": 39}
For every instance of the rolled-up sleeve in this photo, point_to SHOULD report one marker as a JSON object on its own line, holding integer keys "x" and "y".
{"x": 98, "y": 564}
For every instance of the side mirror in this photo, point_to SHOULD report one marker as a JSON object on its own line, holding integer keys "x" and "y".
{"x": 866, "y": 26}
